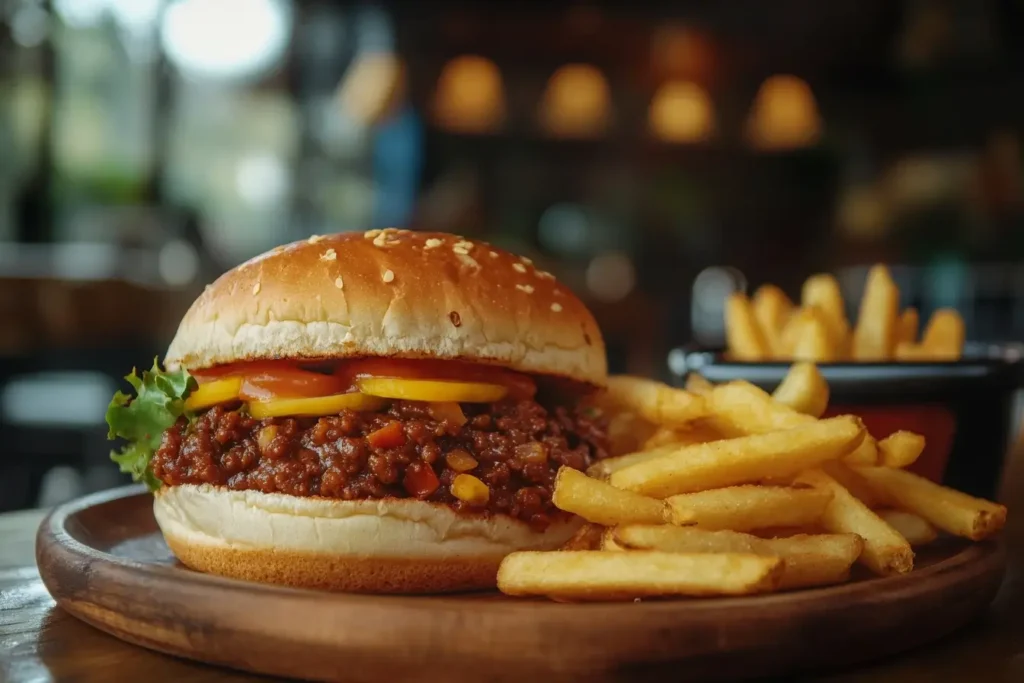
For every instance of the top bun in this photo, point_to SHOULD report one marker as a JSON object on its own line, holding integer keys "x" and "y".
{"x": 392, "y": 293}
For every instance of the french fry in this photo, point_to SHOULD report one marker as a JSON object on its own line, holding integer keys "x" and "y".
{"x": 808, "y": 560}
{"x": 587, "y": 537}
{"x": 597, "y": 575}
{"x": 744, "y": 337}
{"x": 742, "y": 460}
{"x": 744, "y": 508}
{"x": 906, "y": 331}
{"x": 602, "y": 469}
{"x": 788, "y": 531}
{"x": 944, "y": 336}
{"x": 680, "y": 436}
{"x": 697, "y": 384}
{"x": 885, "y": 551}
{"x": 917, "y": 530}
{"x": 822, "y": 292}
{"x": 772, "y": 309}
{"x": 803, "y": 389}
{"x": 865, "y": 454}
{"x": 855, "y": 484}
{"x": 663, "y": 436}
{"x": 909, "y": 351}
{"x": 806, "y": 337}
{"x": 601, "y": 503}
{"x": 654, "y": 401}
{"x": 900, "y": 449}
{"x": 874, "y": 338}
{"x": 627, "y": 432}
{"x": 739, "y": 408}
{"x": 949, "y": 510}
{"x": 608, "y": 541}
{"x": 728, "y": 490}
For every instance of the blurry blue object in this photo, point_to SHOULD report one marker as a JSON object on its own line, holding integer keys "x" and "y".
{"x": 397, "y": 164}
{"x": 948, "y": 281}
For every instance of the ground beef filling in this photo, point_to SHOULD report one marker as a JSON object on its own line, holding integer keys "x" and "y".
{"x": 517, "y": 447}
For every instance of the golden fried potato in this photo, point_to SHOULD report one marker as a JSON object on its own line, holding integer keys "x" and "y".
{"x": 874, "y": 338}
{"x": 885, "y": 551}
{"x": 600, "y": 575}
{"x": 946, "y": 508}
{"x": 742, "y": 460}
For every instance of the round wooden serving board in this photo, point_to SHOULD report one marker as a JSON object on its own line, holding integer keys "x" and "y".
{"x": 104, "y": 561}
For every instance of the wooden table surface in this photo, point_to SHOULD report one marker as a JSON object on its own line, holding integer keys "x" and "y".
{"x": 39, "y": 642}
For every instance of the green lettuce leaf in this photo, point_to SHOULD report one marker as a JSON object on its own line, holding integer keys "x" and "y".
{"x": 141, "y": 420}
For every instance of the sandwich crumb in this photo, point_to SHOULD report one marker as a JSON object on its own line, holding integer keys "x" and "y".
{"x": 556, "y": 307}
{"x": 519, "y": 267}
{"x": 545, "y": 275}
{"x": 372, "y": 234}
{"x": 388, "y": 275}
{"x": 464, "y": 244}
{"x": 525, "y": 288}
{"x": 313, "y": 239}
{"x": 338, "y": 282}
{"x": 256, "y": 289}
{"x": 461, "y": 250}
{"x": 432, "y": 243}
{"x": 525, "y": 260}
{"x": 329, "y": 255}
{"x": 494, "y": 254}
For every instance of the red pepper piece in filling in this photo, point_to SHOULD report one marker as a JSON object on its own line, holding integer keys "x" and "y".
{"x": 388, "y": 436}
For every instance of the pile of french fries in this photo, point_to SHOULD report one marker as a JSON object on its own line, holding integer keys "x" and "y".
{"x": 728, "y": 490}
{"x": 771, "y": 327}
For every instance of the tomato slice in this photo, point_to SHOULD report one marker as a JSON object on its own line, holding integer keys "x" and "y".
{"x": 290, "y": 383}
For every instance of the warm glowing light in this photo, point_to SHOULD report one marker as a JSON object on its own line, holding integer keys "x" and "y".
{"x": 576, "y": 102}
{"x": 372, "y": 87}
{"x": 863, "y": 213}
{"x": 678, "y": 51}
{"x": 470, "y": 97}
{"x": 682, "y": 112}
{"x": 784, "y": 115}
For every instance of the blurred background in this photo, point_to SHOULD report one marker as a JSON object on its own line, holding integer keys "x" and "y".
{"x": 653, "y": 159}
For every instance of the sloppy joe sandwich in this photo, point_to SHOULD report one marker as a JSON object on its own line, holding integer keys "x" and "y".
{"x": 378, "y": 412}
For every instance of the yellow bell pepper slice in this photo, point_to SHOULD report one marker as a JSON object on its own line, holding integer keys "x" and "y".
{"x": 212, "y": 393}
{"x": 432, "y": 390}
{"x": 314, "y": 407}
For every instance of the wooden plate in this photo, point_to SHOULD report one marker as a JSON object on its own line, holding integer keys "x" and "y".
{"x": 104, "y": 561}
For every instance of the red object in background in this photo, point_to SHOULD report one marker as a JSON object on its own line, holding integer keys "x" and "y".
{"x": 935, "y": 422}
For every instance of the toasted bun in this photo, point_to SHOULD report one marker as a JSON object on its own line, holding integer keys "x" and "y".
{"x": 366, "y": 546}
{"x": 396, "y": 294}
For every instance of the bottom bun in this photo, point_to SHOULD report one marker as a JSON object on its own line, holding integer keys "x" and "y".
{"x": 364, "y": 546}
